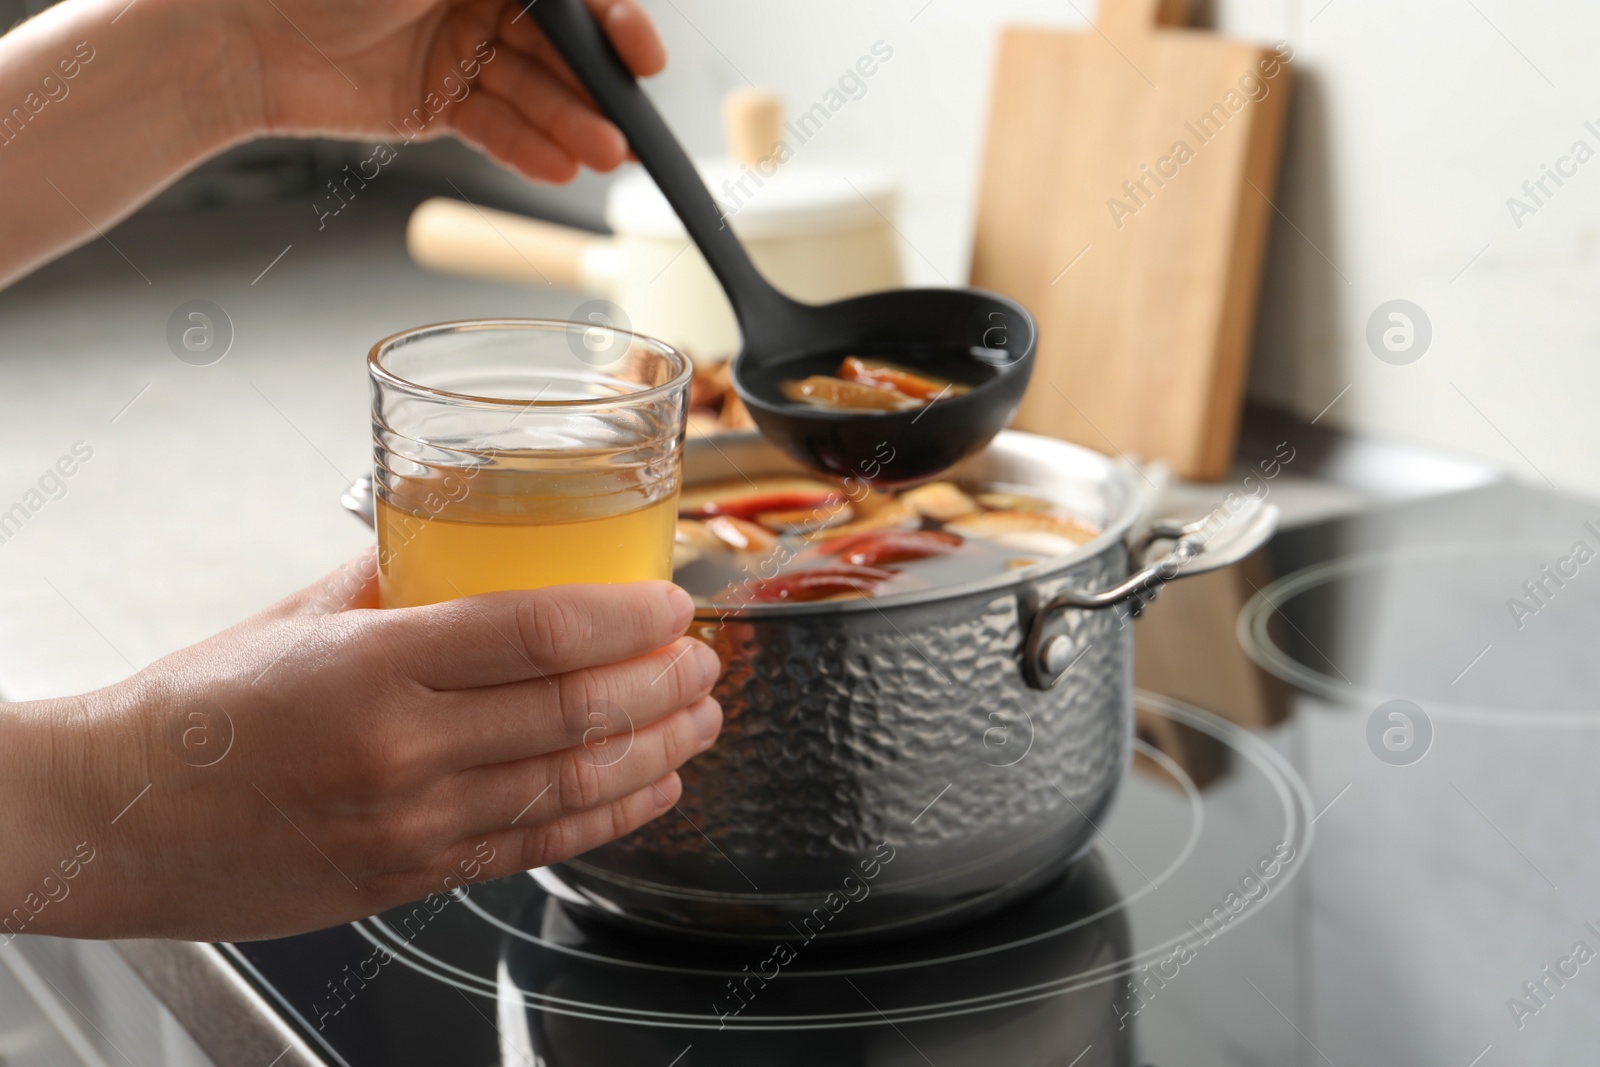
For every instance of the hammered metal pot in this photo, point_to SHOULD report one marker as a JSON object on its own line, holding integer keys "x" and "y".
{"x": 910, "y": 760}
{"x": 916, "y": 760}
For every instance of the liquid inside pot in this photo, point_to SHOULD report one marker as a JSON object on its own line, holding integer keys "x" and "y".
{"x": 795, "y": 539}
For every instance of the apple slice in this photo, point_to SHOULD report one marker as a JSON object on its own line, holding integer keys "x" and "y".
{"x": 1030, "y": 531}
{"x": 745, "y": 499}
{"x": 882, "y": 374}
{"x": 941, "y": 501}
{"x": 890, "y": 514}
{"x": 825, "y": 391}
{"x": 741, "y": 534}
{"x": 822, "y": 583}
{"x": 875, "y": 548}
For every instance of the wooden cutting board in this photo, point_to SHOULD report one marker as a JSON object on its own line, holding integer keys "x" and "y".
{"x": 1124, "y": 201}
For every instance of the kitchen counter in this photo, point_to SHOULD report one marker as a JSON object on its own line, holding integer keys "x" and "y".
{"x": 200, "y": 494}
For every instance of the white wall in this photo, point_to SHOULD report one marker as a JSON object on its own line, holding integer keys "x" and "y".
{"x": 1413, "y": 122}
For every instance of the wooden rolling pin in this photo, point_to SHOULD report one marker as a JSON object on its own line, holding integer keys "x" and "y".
{"x": 455, "y": 238}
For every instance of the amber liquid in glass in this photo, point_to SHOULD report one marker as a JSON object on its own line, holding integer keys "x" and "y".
{"x": 456, "y": 533}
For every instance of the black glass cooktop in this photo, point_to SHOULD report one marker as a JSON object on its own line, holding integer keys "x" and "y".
{"x": 1374, "y": 845}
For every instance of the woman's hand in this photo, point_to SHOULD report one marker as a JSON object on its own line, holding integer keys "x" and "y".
{"x": 322, "y": 761}
{"x": 113, "y": 100}
{"x": 394, "y": 70}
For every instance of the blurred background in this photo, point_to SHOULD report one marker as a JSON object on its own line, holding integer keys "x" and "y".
{"x": 1410, "y": 127}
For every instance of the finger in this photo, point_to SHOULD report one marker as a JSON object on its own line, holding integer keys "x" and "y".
{"x": 495, "y": 128}
{"x": 515, "y": 635}
{"x": 547, "y": 103}
{"x": 547, "y": 788}
{"x": 524, "y": 848}
{"x": 632, "y": 34}
{"x": 519, "y": 32}
{"x": 496, "y": 724}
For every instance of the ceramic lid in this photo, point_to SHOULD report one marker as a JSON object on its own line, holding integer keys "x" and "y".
{"x": 794, "y": 199}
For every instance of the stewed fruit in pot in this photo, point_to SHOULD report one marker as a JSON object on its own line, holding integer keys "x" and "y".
{"x": 791, "y": 539}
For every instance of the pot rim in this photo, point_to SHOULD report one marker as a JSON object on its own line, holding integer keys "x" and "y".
{"x": 1116, "y": 477}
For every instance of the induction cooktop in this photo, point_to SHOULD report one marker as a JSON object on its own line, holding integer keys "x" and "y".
{"x": 1399, "y": 868}
{"x": 499, "y": 973}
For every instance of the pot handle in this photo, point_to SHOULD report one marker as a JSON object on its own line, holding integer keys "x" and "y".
{"x": 1209, "y": 543}
{"x": 358, "y": 501}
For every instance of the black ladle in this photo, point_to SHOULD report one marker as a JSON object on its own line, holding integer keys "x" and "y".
{"x": 965, "y": 335}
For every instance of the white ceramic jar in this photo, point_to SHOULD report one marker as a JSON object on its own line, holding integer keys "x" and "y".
{"x": 818, "y": 233}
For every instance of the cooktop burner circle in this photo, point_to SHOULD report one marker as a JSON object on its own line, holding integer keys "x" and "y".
{"x": 1197, "y": 821}
{"x": 1077, "y": 937}
{"x": 1490, "y": 632}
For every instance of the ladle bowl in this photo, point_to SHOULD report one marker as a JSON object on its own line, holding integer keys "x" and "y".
{"x": 974, "y": 338}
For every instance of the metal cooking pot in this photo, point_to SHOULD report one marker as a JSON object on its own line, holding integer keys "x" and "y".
{"x": 913, "y": 760}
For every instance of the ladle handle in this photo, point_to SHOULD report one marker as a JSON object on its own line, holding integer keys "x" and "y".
{"x": 578, "y": 37}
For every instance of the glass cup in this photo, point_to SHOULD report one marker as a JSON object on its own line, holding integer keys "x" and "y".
{"x": 520, "y": 453}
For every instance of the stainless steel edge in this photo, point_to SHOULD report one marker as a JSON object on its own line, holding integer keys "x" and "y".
{"x": 227, "y": 1017}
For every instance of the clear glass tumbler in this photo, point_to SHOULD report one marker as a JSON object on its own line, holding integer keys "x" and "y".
{"x": 520, "y": 453}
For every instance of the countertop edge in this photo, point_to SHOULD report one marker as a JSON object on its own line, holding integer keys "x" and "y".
{"x": 225, "y": 1015}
